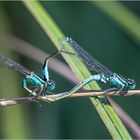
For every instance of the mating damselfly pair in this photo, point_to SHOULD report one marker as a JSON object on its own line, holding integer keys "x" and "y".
{"x": 43, "y": 85}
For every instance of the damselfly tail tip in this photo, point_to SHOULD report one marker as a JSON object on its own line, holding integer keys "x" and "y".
{"x": 69, "y": 39}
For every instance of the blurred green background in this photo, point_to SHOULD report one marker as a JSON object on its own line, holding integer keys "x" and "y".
{"x": 98, "y": 33}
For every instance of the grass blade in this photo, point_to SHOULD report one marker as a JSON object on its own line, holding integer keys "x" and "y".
{"x": 106, "y": 112}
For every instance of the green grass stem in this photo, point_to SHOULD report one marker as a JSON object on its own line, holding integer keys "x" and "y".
{"x": 105, "y": 110}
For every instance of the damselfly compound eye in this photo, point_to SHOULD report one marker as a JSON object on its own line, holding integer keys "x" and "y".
{"x": 131, "y": 84}
{"x": 50, "y": 85}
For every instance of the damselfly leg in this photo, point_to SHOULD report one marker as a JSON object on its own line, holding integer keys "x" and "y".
{"x": 36, "y": 91}
{"x": 114, "y": 89}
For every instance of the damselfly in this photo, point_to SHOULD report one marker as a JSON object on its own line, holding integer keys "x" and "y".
{"x": 105, "y": 75}
{"x": 33, "y": 83}
{"x": 118, "y": 82}
{"x": 43, "y": 85}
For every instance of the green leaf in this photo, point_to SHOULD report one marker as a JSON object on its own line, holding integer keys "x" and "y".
{"x": 105, "y": 110}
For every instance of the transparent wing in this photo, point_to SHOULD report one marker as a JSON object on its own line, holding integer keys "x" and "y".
{"x": 6, "y": 62}
{"x": 91, "y": 62}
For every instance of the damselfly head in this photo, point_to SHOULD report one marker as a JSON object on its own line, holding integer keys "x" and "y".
{"x": 131, "y": 83}
{"x": 50, "y": 85}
